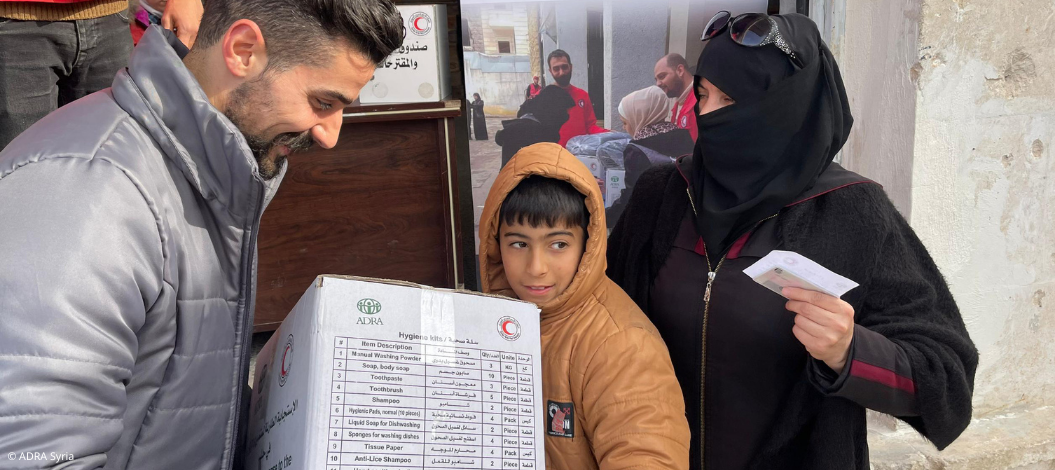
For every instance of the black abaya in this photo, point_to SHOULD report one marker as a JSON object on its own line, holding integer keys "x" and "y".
{"x": 479, "y": 120}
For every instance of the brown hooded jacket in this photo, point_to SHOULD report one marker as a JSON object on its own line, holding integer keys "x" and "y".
{"x": 612, "y": 400}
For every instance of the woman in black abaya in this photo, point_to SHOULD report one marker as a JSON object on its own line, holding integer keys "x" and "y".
{"x": 479, "y": 119}
{"x": 782, "y": 381}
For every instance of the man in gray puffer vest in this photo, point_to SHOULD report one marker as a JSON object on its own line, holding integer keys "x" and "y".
{"x": 128, "y": 230}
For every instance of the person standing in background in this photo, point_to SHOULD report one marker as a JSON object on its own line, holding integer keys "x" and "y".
{"x": 53, "y": 52}
{"x": 655, "y": 141}
{"x": 673, "y": 77}
{"x": 479, "y": 118}
{"x": 581, "y": 118}
{"x": 533, "y": 89}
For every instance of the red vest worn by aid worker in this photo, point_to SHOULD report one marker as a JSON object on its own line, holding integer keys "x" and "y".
{"x": 581, "y": 118}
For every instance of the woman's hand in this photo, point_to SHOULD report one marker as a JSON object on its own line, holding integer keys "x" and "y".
{"x": 183, "y": 17}
{"x": 823, "y": 324}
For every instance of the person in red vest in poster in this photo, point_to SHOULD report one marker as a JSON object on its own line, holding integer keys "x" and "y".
{"x": 673, "y": 77}
{"x": 533, "y": 89}
{"x": 581, "y": 118}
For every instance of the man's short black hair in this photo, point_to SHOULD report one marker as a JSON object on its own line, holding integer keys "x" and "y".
{"x": 557, "y": 53}
{"x": 538, "y": 201}
{"x": 300, "y": 32}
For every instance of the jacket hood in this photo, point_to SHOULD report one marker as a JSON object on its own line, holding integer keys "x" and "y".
{"x": 552, "y": 161}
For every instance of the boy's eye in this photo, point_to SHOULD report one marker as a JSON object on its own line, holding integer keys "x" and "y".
{"x": 323, "y": 105}
{"x": 518, "y": 245}
{"x": 560, "y": 245}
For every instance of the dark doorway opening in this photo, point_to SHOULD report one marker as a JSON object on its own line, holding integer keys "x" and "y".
{"x": 595, "y": 58}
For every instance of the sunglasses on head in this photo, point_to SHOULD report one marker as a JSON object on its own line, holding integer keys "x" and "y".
{"x": 748, "y": 29}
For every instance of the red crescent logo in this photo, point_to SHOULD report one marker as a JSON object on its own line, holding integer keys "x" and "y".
{"x": 416, "y": 23}
{"x": 509, "y": 333}
{"x": 284, "y": 354}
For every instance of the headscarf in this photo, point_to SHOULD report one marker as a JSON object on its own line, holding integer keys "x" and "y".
{"x": 645, "y": 107}
{"x": 753, "y": 158}
{"x": 658, "y": 128}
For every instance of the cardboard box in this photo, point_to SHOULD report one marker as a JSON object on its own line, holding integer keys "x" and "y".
{"x": 367, "y": 374}
{"x": 614, "y": 184}
{"x": 419, "y": 71}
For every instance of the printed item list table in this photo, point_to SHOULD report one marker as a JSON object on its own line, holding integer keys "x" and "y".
{"x": 417, "y": 405}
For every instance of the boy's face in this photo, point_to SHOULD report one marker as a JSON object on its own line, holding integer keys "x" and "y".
{"x": 540, "y": 262}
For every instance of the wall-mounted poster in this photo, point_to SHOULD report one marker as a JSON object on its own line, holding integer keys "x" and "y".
{"x": 610, "y": 80}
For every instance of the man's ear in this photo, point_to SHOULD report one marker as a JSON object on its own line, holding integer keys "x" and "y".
{"x": 243, "y": 49}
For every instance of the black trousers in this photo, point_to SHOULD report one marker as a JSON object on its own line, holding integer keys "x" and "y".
{"x": 46, "y": 64}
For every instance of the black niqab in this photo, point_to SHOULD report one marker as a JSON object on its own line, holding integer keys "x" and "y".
{"x": 753, "y": 158}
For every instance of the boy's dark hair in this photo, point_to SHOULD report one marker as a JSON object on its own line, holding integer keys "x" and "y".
{"x": 538, "y": 200}
{"x": 296, "y": 31}
{"x": 557, "y": 53}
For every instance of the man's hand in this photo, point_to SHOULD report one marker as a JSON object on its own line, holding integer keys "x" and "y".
{"x": 823, "y": 324}
{"x": 183, "y": 17}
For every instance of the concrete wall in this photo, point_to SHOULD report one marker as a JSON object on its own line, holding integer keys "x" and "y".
{"x": 985, "y": 183}
{"x": 512, "y": 16}
{"x": 635, "y": 37}
{"x": 473, "y": 14}
{"x": 503, "y": 93}
{"x": 877, "y": 61}
{"x": 501, "y": 80}
{"x": 982, "y": 196}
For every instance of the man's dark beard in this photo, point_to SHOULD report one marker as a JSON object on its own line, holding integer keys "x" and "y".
{"x": 676, "y": 89}
{"x": 262, "y": 147}
{"x": 563, "y": 81}
{"x": 238, "y": 109}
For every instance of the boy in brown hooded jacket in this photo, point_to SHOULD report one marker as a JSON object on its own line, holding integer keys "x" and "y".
{"x": 612, "y": 400}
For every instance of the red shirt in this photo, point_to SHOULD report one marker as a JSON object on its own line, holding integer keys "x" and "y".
{"x": 581, "y": 118}
{"x": 685, "y": 117}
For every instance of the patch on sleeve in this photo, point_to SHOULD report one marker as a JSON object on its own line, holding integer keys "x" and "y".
{"x": 561, "y": 419}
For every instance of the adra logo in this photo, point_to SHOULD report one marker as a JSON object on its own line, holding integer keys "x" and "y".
{"x": 369, "y": 307}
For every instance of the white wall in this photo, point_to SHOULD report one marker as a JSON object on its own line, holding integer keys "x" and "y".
{"x": 984, "y": 184}
{"x": 983, "y": 202}
{"x": 877, "y": 55}
{"x": 635, "y": 37}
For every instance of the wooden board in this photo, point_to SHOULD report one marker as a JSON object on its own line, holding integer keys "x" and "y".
{"x": 376, "y": 205}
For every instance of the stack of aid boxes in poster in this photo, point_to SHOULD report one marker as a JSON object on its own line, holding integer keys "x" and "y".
{"x": 419, "y": 70}
{"x": 368, "y": 374}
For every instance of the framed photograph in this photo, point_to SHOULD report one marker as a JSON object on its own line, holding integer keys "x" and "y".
{"x": 626, "y": 65}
